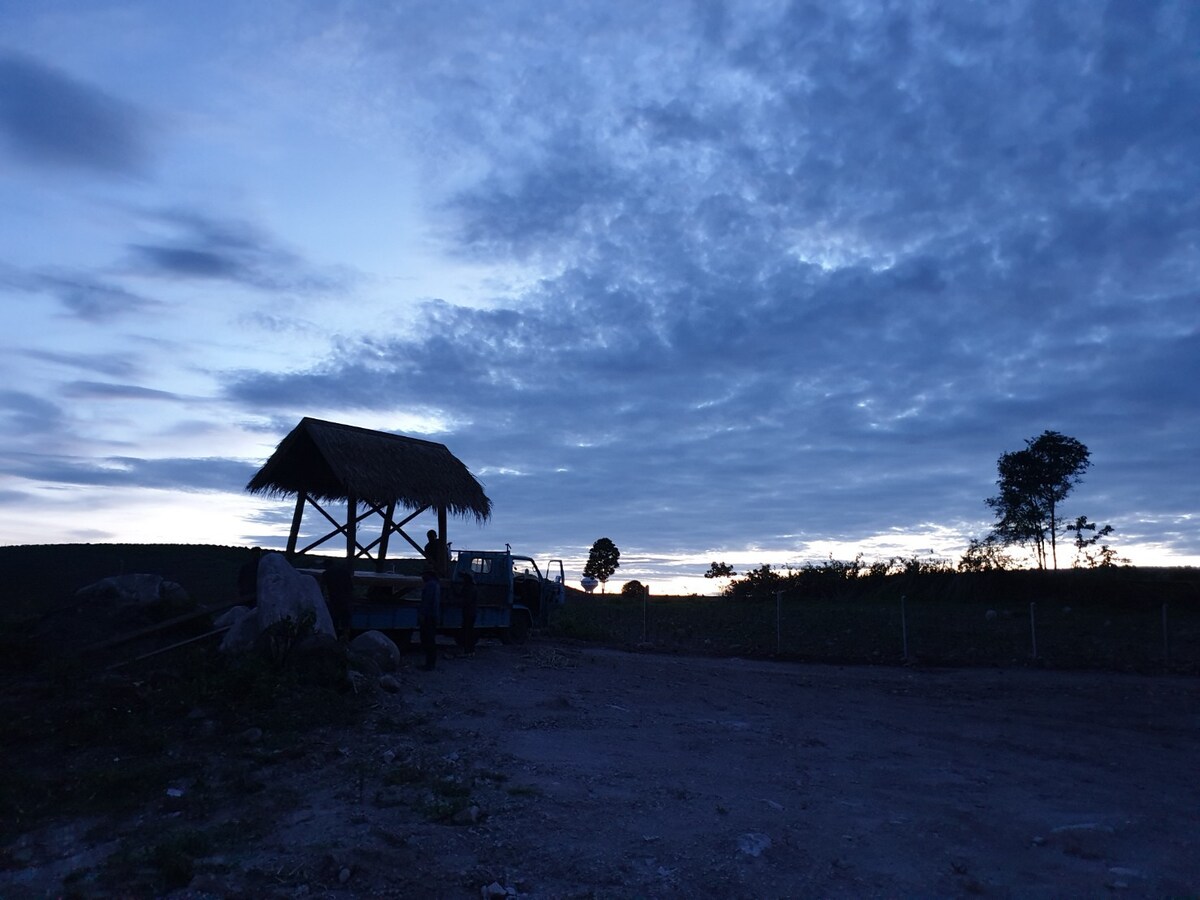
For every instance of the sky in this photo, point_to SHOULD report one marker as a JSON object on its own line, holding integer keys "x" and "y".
{"x": 756, "y": 282}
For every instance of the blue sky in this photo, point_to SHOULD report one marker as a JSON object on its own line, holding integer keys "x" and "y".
{"x": 756, "y": 282}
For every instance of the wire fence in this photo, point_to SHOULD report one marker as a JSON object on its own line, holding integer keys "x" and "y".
{"x": 1143, "y": 635}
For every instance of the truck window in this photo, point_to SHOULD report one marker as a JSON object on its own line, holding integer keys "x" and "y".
{"x": 480, "y": 566}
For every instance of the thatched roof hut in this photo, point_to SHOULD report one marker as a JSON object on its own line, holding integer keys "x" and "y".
{"x": 324, "y": 462}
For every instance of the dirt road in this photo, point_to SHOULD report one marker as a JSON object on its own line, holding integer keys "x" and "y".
{"x": 558, "y": 771}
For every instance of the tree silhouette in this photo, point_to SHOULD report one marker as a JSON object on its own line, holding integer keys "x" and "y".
{"x": 1032, "y": 483}
{"x": 603, "y": 560}
{"x": 720, "y": 570}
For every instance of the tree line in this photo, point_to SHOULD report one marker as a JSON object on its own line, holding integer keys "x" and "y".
{"x": 1032, "y": 484}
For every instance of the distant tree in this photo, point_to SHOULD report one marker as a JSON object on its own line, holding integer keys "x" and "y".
{"x": 1103, "y": 558}
{"x": 633, "y": 588}
{"x": 1032, "y": 483}
{"x": 985, "y": 555}
{"x": 760, "y": 582}
{"x": 603, "y": 560}
{"x": 720, "y": 570}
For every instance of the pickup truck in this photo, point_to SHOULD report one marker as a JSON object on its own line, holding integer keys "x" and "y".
{"x": 512, "y": 595}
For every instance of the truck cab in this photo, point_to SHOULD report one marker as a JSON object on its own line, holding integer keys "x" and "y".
{"x": 512, "y": 594}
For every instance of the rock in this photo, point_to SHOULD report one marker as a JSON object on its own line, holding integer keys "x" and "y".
{"x": 377, "y": 646}
{"x": 283, "y": 593}
{"x": 251, "y": 736}
{"x": 469, "y": 816}
{"x": 134, "y": 590}
{"x": 390, "y": 684}
{"x": 242, "y": 633}
{"x": 231, "y": 616}
{"x": 753, "y": 843}
{"x": 362, "y": 664}
{"x": 496, "y": 890}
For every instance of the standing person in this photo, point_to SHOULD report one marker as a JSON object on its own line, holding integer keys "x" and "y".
{"x": 427, "y": 617}
{"x": 467, "y": 593}
{"x": 434, "y": 553}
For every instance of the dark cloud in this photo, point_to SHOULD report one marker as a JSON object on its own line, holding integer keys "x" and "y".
{"x": 202, "y": 247}
{"x": 103, "y": 390}
{"x": 24, "y": 415}
{"x": 113, "y": 365}
{"x": 51, "y": 120}
{"x": 93, "y": 300}
{"x": 87, "y": 296}
{"x": 181, "y": 474}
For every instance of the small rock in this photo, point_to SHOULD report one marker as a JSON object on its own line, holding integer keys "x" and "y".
{"x": 343, "y": 875}
{"x": 468, "y": 816}
{"x": 753, "y": 843}
{"x": 390, "y": 684}
{"x": 1125, "y": 872}
{"x": 251, "y": 736}
{"x": 496, "y": 890}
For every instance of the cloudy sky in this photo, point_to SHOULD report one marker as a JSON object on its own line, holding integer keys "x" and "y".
{"x": 755, "y": 282}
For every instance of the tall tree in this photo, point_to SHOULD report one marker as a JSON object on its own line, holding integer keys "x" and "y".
{"x": 603, "y": 560}
{"x": 1033, "y": 482}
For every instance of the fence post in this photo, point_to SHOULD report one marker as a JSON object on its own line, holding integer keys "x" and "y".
{"x": 645, "y": 613}
{"x": 1166, "y": 637}
{"x": 1033, "y": 628}
{"x": 904, "y": 627}
{"x": 778, "y": 633}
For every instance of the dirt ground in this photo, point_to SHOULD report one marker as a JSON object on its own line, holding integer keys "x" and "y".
{"x": 554, "y": 770}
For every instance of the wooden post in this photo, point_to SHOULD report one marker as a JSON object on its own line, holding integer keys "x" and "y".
{"x": 387, "y": 532}
{"x": 443, "y": 561}
{"x": 301, "y": 497}
{"x": 645, "y": 614}
{"x": 778, "y": 627}
{"x": 351, "y": 525}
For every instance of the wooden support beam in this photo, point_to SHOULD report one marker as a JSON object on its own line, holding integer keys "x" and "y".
{"x": 384, "y": 535}
{"x": 301, "y": 497}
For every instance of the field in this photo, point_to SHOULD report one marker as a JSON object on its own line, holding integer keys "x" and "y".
{"x": 1122, "y": 620}
{"x": 567, "y": 769}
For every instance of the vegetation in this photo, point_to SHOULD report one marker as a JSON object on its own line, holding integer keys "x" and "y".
{"x": 850, "y": 612}
{"x": 1032, "y": 483}
{"x": 603, "y": 560}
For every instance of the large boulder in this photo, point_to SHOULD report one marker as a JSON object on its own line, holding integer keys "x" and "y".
{"x": 134, "y": 590}
{"x": 380, "y": 648}
{"x": 283, "y": 593}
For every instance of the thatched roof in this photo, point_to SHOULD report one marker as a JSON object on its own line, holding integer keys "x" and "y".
{"x": 329, "y": 461}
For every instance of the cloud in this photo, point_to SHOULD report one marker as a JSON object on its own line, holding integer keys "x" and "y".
{"x": 102, "y": 390}
{"x": 24, "y": 414}
{"x": 207, "y": 248}
{"x": 113, "y": 365}
{"x": 88, "y": 296}
{"x": 48, "y": 119}
{"x": 177, "y": 474}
